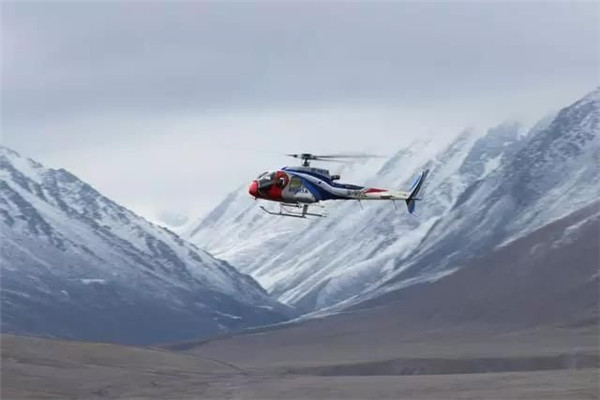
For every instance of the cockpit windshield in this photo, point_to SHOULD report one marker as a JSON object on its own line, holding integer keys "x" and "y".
{"x": 266, "y": 179}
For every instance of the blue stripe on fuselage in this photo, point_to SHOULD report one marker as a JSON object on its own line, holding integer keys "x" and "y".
{"x": 317, "y": 175}
{"x": 318, "y": 192}
{"x": 313, "y": 189}
{"x": 324, "y": 178}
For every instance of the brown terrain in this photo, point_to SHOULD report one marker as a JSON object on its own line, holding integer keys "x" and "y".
{"x": 444, "y": 369}
{"x": 519, "y": 323}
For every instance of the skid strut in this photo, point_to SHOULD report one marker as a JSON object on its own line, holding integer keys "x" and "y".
{"x": 289, "y": 210}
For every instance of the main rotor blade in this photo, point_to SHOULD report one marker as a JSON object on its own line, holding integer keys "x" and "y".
{"x": 301, "y": 155}
{"x": 332, "y": 160}
{"x": 357, "y": 155}
{"x": 309, "y": 156}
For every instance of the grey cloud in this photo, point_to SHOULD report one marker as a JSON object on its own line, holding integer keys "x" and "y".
{"x": 70, "y": 58}
{"x": 94, "y": 77}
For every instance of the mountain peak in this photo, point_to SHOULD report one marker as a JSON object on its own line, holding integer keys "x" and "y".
{"x": 594, "y": 95}
{"x": 26, "y": 165}
{"x": 79, "y": 265}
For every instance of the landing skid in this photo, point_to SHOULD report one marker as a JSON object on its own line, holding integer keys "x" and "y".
{"x": 288, "y": 210}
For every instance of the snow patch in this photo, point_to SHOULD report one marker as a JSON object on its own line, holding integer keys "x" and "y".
{"x": 491, "y": 165}
{"x": 230, "y": 316}
{"x": 89, "y": 281}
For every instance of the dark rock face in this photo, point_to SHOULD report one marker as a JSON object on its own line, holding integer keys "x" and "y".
{"x": 549, "y": 277}
{"x": 77, "y": 265}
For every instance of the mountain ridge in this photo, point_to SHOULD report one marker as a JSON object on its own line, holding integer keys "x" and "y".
{"x": 316, "y": 264}
{"x": 68, "y": 252}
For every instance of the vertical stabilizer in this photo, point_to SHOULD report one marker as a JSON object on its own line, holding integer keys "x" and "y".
{"x": 414, "y": 191}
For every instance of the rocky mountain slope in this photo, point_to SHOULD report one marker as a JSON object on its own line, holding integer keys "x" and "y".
{"x": 76, "y": 264}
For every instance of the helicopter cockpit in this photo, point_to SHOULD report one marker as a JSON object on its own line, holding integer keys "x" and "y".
{"x": 266, "y": 180}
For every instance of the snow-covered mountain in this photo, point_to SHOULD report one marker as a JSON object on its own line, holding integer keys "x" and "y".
{"x": 553, "y": 172}
{"x": 483, "y": 191}
{"x": 76, "y": 264}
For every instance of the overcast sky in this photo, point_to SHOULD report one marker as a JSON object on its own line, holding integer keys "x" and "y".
{"x": 168, "y": 107}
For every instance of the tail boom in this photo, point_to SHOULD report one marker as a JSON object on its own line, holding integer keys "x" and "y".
{"x": 409, "y": 197}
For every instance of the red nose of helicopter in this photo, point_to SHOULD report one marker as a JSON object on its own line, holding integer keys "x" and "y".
{"x": 253, "y": 189}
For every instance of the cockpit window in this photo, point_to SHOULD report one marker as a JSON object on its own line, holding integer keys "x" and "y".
{"x": 262, "y": 174}
{"x": 266, "y": 179}
{"x": 266, "y": 176}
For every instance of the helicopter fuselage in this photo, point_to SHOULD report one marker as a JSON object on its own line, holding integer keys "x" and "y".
{"x": 310, "y": 185}
{"x": 298, "y": 187}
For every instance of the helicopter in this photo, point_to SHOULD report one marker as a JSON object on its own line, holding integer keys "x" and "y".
{"x": 298, "y": 187}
